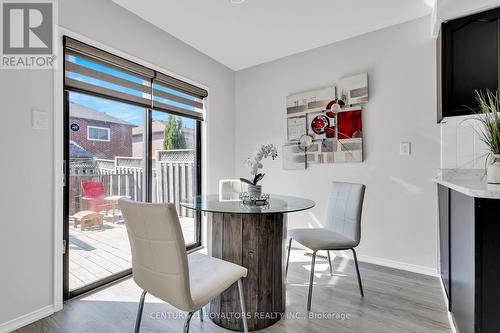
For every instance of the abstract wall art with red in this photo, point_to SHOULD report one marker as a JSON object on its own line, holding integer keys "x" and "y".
{"x": 322, "y": 128}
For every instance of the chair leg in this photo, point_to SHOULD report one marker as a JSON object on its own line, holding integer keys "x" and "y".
{"x": 329, "y": 262}
{"x": 288, "y": 256}
{"x": 139, "y": 312}
{"x": 311, "y": 281}
{"x": 201, "y": 314}
{"x": 243, "y": 308}
{"x": 187, "y": 321}
{"x": 357, "y": 271}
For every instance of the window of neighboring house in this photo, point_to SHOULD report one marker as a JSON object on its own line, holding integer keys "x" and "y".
{"x": 95, "y": 133}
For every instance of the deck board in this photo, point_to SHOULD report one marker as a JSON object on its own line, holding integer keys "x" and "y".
{"x": 100, "y": 252}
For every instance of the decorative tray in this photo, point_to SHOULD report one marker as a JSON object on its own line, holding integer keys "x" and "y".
{"x": 254, "y": 200}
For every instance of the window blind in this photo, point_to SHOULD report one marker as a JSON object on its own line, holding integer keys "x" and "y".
{"x": 91, "y": 70}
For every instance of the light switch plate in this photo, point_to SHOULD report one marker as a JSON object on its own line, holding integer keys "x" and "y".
{"x": 405, "y": 148}
{"x": 39, "y": 120}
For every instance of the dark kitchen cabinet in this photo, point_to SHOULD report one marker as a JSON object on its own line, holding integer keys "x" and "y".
{"x": 468, "y": 60}
{"x": 470, "y": 259}
{"x": 444, "y": 236}
{"x": 488, "y": 264}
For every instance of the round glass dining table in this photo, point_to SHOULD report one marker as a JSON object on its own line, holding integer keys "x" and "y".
{"x": 276, "y": 204}
{"x": 253, "y": 237}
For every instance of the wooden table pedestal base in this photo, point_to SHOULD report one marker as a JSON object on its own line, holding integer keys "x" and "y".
{"x": 257, "y": 242}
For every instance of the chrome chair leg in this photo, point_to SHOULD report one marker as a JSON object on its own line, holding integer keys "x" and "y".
{"x": 201, "y": 314}
{"x": 329, "y": 262}
{"x": 357, "y": 271}
{"x": 243, "y": 308}
{"x": 288, "y": 256}
{"x": 311, "y": 281}
{"x": 187, "y": 321}
{"x": 139, "y": 312}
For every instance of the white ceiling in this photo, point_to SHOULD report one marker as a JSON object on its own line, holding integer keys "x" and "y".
{"x": 258, "y": 31}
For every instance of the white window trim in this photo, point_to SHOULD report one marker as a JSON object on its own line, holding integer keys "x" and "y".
{"x": 97, "y": 127}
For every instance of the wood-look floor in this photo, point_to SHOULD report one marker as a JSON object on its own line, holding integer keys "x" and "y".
{"x": 395, "y": 301}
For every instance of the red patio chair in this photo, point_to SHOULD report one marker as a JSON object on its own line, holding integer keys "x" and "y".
{"x": 93, "y": 195}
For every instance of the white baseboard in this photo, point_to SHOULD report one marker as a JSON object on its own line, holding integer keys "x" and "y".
{"x": 454, "y": 328}
{"x": 380, "y": 261}
{"x": 445, "y": 296}
{"x": 450, "y": 317}
{"x": 26, "y": 319}
{"x": 399, "y": 265}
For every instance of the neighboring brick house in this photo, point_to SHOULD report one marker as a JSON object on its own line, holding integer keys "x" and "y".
{"x": 100, "y": 134}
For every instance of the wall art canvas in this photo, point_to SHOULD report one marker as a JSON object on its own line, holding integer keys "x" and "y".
{"x": 320, "y": 129}
{"x": 353, "y": 89}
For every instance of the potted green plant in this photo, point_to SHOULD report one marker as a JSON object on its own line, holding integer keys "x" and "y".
{"x": 489, "y": 108}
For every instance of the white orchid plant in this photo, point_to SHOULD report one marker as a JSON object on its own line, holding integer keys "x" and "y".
{"x": 254, "y": 163}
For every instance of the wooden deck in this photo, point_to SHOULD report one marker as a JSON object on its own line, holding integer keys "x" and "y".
{"x": 98, "y": 253}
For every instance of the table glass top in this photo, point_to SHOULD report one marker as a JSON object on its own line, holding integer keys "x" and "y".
{"x": 276, "y": 204}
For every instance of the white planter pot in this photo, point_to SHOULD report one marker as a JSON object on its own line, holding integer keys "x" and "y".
{"x": 493, "y": 172}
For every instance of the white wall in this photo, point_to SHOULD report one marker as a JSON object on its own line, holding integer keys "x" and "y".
{"x": 445, "y": 10}
{"x": 399, "y": 223}
{"x": 27, "y": 222}
{"x": 26, "y": 230}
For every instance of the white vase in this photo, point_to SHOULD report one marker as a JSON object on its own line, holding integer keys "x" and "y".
{"x": 254, "y": 191}
{"x": 493, "y": 172}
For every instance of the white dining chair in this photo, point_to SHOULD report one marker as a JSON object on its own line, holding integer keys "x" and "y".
{"x": 162, "y": 267}
{"x": 342, "y": 229}
{"x": 230, "y": 189}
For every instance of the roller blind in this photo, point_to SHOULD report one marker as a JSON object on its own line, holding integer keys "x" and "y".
{"x": 94, "y": 71}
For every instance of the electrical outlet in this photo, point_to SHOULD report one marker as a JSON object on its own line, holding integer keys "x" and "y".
{"x": 404, "y": 148}
{"x": 39, "y": 120}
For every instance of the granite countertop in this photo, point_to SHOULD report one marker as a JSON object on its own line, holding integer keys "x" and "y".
{"x": 471, "y": 182}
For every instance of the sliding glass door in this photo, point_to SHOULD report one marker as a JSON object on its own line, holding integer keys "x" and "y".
{"x": 107, "y": 148}
{"x": 106, "y": 163}
{"x": 176, "y": 170}
{"x": 130, "y": 132}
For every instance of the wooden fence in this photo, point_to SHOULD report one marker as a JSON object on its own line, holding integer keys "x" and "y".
{"x": 173, "y": 178}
